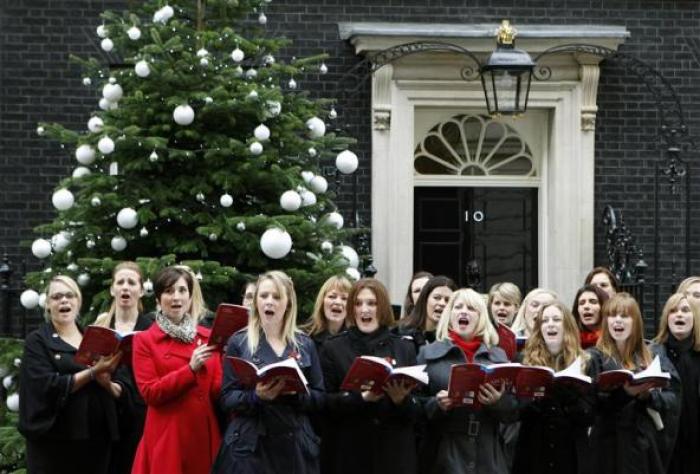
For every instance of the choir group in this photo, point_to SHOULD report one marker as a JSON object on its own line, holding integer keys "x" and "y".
{"x": 175, "y": 405}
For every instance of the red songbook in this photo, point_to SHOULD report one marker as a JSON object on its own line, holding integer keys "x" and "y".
{"x": 613, "y": 379}
{"x": 99, "y": 341}
{"x": 465, "y": 380}
{"x": 229, "y": 318}
{"x": 375, "y": 372}
{"x": 535, "y": 381}
{"x": 288, "y": 369}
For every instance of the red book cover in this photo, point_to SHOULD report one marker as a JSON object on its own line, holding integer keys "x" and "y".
{"x": 100, "y": 341}
{"x": 502, "y": 375}
{"x": 288, "y": 370}
{"x": 376, "y": 372}
{"x": 463, "y": 386}
{"x": 533, "y": 382}
{"x": 229, "y": 318}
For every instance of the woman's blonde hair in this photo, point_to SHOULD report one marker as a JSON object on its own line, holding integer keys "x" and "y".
{"x": 673, "y": 302}
{"x": 536, "y": 351}
{"x": 105, "y": 319}
{"x": 484, "y": 327}
{"x": 72, "y": 286}
{"x": 635, "y": 349}
{"x": 506, "y": 291}
{"x": 285, "y": 287}
{"x": 198, "y": 307}
{"x": 317, "y": 322}
{"x": 520, "y": 323}
{"x": 685, "y": 284}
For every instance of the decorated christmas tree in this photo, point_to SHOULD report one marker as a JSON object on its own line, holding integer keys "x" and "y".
{"x": 204, "y": 151}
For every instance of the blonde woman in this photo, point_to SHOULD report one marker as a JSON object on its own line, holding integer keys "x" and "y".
{"x": 524, "y": 322}
{"x": 554, "y": 430}
{"x": 624, "y": 437}
{"x": 66, "y": 410}
{"x": 691, "y": 288}
{"x": 270, "y": 430}
{"x": 504, "y": 302}
{"x": 679, "y": 339}
{"x": 330, "y": 310}
{"x": 459, "y": 439}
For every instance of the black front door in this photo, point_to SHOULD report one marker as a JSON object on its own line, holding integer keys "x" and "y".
{"x": 477, "y": 236}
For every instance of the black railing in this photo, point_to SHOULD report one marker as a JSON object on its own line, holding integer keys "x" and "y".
{"x": 15, "y": 321}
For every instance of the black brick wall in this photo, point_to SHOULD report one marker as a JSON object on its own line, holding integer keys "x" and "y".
{"x": 38, "y": 83}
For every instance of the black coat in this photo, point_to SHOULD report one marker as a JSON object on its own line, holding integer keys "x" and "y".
{"x": 553, "y": 435}
{"x": 624, "y": 438}
{"x": 461, "y": 440}
{"x": 270, "y": 437}
{"x": 60, "y": 425}
{"x": 419, "y": 338}
{"x": 685, "y": 457}
{"x": 369, "y": 437}
{"x": 131, "y": 410}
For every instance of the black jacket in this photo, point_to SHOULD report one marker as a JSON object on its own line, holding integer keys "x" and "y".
{"x": 370, "y": 437}
{"x": 270, "y": 437}
{"x": 461, "y": 440}
{"x": 624, "y": 438}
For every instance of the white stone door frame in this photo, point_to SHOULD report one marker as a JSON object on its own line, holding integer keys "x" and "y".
{"x": 566, "y": 172}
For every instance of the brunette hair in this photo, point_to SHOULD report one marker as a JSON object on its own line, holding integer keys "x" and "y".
{"x": 408, "y": 304}
{"x": 484, "y": 327}
{"x": 72, "y": 286}
{"x": 602, "y": 298}
{"x": 317, "y": 322}
{"x": 385, "y": 316}
{"x": 536, "y": 352}
{"x": 506, "y": 291}
{"x": 613, "y": 279}
{"x": 673, "y": 302}
{"x": 168, "y": 276}
{"x": 635, "y": 348}
{"x": 520, "y": 322}
{"x": 419, "y": 315}
{"x": 285, "y": 287}
{"x": 105, "y": 319}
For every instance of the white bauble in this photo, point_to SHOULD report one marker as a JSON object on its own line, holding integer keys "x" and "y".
{"x": 85, "y": 154}
{"x": 316, "y": 127}
{"x": 307, "y": 176}
{"x": 226, "y": 200}
{"x": 153, "y": 157}
{"x": 62, "y": 199}
{"x": 201, "y": 53}
{"x": 323, "y": 68}
{"x": 275, "y": 243}
{"x": 290, "y": 201}
{"x": 346, "y": 162}
{"x": 40, "y": 130}
{"x": 7, "y": 381}
{"x": 237, "y": 55}
{"x": 204, "y": 62}
{"x": 332, "y": 114}
{"x": 102, "y": 31}
{"x": 95, "y": 201}
{"x": 13, "y": 402}
{"x": 41, "y": 248}
{"x": 134, "y": 33}
{"x": 312, "y": 152}
{"x": 42, "y": 301}
{"x": 308, "y": 198}
{"x": 87, "y": 81}
{"x": 350, "y": 255}
{"x": 335, "y": 219}
{"x": 167, "y": 12}
{"x": 256, "y": 148}
{"x": 29, "y": 299}
{"x": 72, "y": 267}
{"x": 353, "y": 273}
{"x": 17, "y": 362}
{"x": 251, "y": 73}
{"x": 80, "y": 171}
{"x": 105, "y": 104}
{"x": 326, "y": 246}
{"x": 261, "y": 132}
{"x": 208, "y": 100}
{"x": 200, "y": 197}
{"x": 274, "y": 108}
{"x": 183, "y": 114}
{"x": 143, "y": 232}
{"x": 238, "y": 72}
{"x": 112, "y": 80}
{"x": 127, "y": 218}
{"x": 118, "y": 243}
{"x": 83, "y": 279}
{"x": 253, "y": 94}
{"x": 262, "y": 19}
{"x": 292, "y": 83}
{"x": 107, "y": 45}
{"x": 213, "y": 237}
{"x": 112, "y": 92}
{"x": 268, "y": 59}
{"x": 318, "y": 184}
{"x": 60, "y": 241}
{"x": 95, "y": 124}
{"x": 240, "y": 226}
{"x": 142, "y": 69}
{"x": 148, "y": 287}
{"x": 105, "y": 145}
{"x": 114, "y": 168}
{"x": 158, "y": 17}
{"x": 90, "y": 244}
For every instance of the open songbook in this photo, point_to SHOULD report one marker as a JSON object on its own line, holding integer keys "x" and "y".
{"x": 534, "y": 381}
{"x": 229, "y": 319}
{"x": 99, "y": 341}
{"x": 288, "y": 370}
{"x": 613, "y": 379}
{"x": 375, "y": 372}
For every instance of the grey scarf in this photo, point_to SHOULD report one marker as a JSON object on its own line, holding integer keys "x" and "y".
{"x": 184, "y": 331}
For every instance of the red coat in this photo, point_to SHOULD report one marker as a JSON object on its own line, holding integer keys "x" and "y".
{"x": 181, "y": 435}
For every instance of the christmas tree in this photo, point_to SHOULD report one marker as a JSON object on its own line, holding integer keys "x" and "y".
{"x": 204, "y": 152}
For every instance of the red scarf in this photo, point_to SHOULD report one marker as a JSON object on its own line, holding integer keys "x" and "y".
{"x": 589, "y": 338}
{"x": 468, "y": 347}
